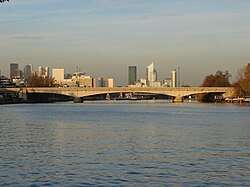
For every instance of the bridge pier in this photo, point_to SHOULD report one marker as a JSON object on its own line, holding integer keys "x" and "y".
{"x": 24, "y": 95}
{"x": 177, "y": 99}
{"x": 107, "y": 96}
{"x": 78, "y": 100}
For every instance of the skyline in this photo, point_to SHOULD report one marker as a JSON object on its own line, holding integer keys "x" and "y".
{"x": 104, "y": 37}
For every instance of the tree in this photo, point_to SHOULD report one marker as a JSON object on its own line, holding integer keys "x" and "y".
{"x": 40, "y": 81}
{"x": 242, "y": 84}
{"x": 220, "y": 79}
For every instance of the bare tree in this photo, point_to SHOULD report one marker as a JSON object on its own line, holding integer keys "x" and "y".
{"x": 40, "y": 81}
{"x": 242, "y": 83}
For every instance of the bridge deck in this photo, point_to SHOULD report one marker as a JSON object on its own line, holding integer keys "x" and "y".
{"x": 82, "y": 92}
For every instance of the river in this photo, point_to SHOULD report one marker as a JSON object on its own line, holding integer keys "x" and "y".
{"x": 137, "y": 143}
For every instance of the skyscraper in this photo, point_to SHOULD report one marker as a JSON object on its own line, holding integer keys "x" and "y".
{"x": 179, "y": 77}
{"x": 19, "y": 74}
{"x": 151, "y": 74}
{"x": 174, "y": 78}
{"x": 27, "y": 72}
{"x": 132, "y": 75}
{"x": 100, "y": 82}
{"x": 13, "y": 70}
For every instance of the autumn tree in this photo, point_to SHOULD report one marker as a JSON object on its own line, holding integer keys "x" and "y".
{"x": 40, "y": 81}
{"x": 242, "y": 84}
{"x": 220, "y": 79}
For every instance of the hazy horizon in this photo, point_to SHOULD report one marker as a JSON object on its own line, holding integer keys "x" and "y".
{"x": 104, "y": 37}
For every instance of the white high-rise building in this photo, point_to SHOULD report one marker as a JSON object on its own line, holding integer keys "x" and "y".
{"x": 151, "y": 74}
{"x": 110, "y": 82}
{"x": 58, "y": 75}
{"x": 174, "y": 78}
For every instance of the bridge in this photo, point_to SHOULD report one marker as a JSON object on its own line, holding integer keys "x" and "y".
{"x": 177, "y": 93}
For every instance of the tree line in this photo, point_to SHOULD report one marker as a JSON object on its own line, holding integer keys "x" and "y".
{"x": 40, "y": 81}
{"x": 221, "y": 79}
{"x": 242, "y": 84}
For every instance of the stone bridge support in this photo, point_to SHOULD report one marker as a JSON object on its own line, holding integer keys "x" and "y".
{"x": 78, "y": 100}
{"x": 177, "y": 99}
{"x": 23, "y": 94}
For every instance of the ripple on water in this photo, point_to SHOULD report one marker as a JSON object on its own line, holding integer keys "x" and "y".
{"x": 148, "y": 144}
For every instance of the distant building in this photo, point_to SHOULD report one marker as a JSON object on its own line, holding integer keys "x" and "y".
{"x": 31, "y": 66}
{"x": 79, "y": 79}
{"x": 110, "y": 82}
{"x": 86, "y": 81}
{"x": 156, "y": 84}
{"x": 167, "y": 82}
{"x": 94, "y": 82}
{"x": 27, "y": 72}
{"x": 143, "y": 82}
{"x": 75, "y": 79}
{"x": 5, "y": 82}
{"x": 20, "y": 74}
{"x": 178, "y": 80}
{"x": 68, "y": 76}
{"x": 174, "y": 78}
{"x": 68, "y": 83}
{"x": 43, "y": 71}
{"x": 13, "y": 70}
{"x": 58, "y": 75}
{"x": 40, "y": 71}
{"x": 46, "y": 72}
{"x": 31, "y": 69}
{"x": 100, "y": 82}
{"x": 140, "y": 83}
{"x": 151, "y": 74}
{"x": 132, "y": 75}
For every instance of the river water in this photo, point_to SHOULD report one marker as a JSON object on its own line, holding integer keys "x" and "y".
{"x": 138, "y": 143}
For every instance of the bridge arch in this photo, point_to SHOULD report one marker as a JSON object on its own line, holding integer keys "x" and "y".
{"x": 179, "y": 92}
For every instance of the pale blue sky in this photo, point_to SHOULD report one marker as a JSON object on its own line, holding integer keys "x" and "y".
{"x": 104, "y": 37}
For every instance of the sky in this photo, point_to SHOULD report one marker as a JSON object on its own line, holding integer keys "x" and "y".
{"x": 104, "y": 37}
